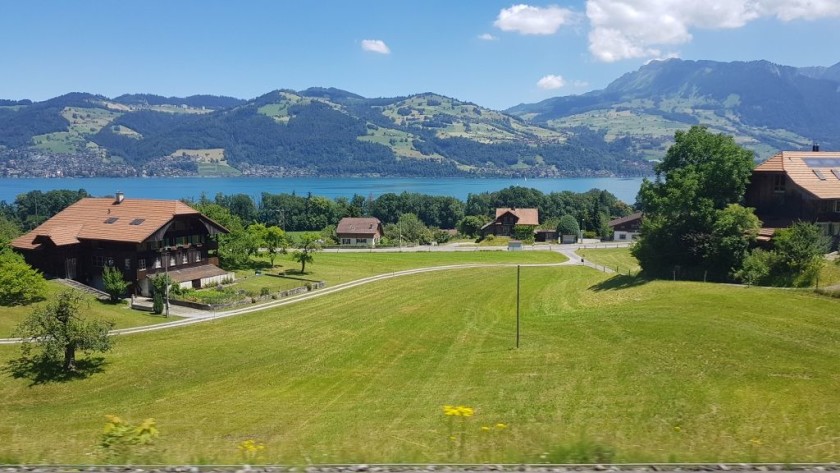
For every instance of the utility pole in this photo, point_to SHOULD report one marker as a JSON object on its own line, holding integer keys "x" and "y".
{"x": 166, "y": 292}
{"x": 517, "y": 305}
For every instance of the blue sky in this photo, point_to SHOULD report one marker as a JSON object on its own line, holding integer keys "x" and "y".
{"x": 496, "y": 54}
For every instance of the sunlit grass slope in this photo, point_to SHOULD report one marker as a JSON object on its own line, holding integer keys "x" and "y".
{"x": 618, "y": 259}
{"x": 609, "y": 369}
{"x": 120, "y": 314}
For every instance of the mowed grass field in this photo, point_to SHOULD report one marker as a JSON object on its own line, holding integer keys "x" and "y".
{"x": 618, "y": 259}
{"x": 334, "y": 268}
{"x": 120, "y": 314}
{"x": 609, "y": 368}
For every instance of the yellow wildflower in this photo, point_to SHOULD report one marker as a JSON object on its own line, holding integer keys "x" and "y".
{"x": 501, "y": 426}
{"x": 485, "y": 428}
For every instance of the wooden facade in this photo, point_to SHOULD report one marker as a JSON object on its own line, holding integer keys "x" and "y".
{"x": 797, "y": 186}
{"x": 507, "y": 218}
{"x": 139, "y": 237}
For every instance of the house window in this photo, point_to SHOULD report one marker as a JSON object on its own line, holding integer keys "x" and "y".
{"x": 779, "y": 183}
{"x": 157, "y": 263}
{"x": 622, "y": 236}
{"x": 184, "y": 258}
{"x": 836, "y": 206}
{"x": 362, "y": 241}
{"x": 141, "y": 264}
{"x": 128, "y": 263}
{"x": 345, "y": 241}
{"x": 99, "y": 261}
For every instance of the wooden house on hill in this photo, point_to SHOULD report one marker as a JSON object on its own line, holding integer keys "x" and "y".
{"x": 140, "y": 237}
{"x": 626, "y": 228}
{"x": 797, "y": 185}
{"x": 507, "y": 218}
{"x": 359, "y": 231}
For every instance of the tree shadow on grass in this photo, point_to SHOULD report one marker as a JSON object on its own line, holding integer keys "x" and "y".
{"x": 42, "y": 371}
{"x": 619, "y": 282}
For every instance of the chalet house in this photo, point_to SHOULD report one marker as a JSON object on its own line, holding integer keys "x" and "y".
{"x": 359, "y": 231}
{"x": 141, "y": 237}
{"x": 626, "y": 228}
{"x": 507, "y": 218}
{"x": 797, "y": 185}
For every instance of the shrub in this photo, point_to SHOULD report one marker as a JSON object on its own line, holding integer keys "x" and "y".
{"x": 264, "y": 291}
{"x": 19, "y": 283}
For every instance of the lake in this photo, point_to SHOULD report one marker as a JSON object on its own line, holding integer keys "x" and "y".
{"x": 187, "y": 187}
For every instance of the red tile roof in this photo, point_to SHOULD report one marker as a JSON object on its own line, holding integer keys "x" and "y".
{"x": 526, "y": 216}
{"x": 820, "y": 180}
{"x": 105, "y": 219}
{"x": 358, "y": 225}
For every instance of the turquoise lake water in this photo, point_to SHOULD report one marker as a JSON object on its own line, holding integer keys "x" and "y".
{"x": 177, "y": 188}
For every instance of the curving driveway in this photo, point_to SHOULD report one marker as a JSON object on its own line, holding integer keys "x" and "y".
{"x": 193, "y": 316}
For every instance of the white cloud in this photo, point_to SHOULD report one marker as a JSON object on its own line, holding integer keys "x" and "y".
{"x": 375, "y": 46}
{"x": 525, "y": 19}
{"x": 551, "y": 82}
{"x": 624, "y": 29}
{"x": 487, "y": 37}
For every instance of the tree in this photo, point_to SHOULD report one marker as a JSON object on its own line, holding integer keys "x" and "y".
{"x": 524, "y": 233}
{"x": 160, "y": 284}
{"x": 409, "y": 228}
{"x": 307, "y": 245}
{"x": 276, "y": 242}
{"x": 115, "y": 285}
{"x": 60, "y": 330}
{"x": 8, "y": 230}
{"x": 568, "y": 226}
{"x": 471, "y": 225}
{"x": 795, "y": 260}
{"x": 19, "y": 283}
{"x": 702, "y": 174}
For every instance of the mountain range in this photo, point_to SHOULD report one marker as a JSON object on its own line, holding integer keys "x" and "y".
{"x": 616, "y": 131}
{"x": 765, "y": 106}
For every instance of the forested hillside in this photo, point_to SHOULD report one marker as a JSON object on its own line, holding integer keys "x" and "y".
{"x": 317, "y": 131}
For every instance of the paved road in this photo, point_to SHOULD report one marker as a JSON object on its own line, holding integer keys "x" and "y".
{"x": 192, "y": 316}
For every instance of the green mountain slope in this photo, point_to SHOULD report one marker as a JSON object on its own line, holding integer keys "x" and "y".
{"x": 312, "y": 132}
{"x": 767, "y": 107}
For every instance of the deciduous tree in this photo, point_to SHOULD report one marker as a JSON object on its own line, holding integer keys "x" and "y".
{"x": 702, "y": 175}
{"x": 307, "y": 245}
{"x": 19, "y": 283}
{"x": 60, "y": 330}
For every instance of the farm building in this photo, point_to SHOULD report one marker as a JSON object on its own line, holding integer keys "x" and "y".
{"x": 797, "y": 185}
{"x": 507, "y": 218}
{"x": 140, "y": 237}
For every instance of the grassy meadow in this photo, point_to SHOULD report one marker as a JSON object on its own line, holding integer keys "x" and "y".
{"x": 618, "y": 259}
{"x": 120, "y": 314}
{"x": 609, "y": 369}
